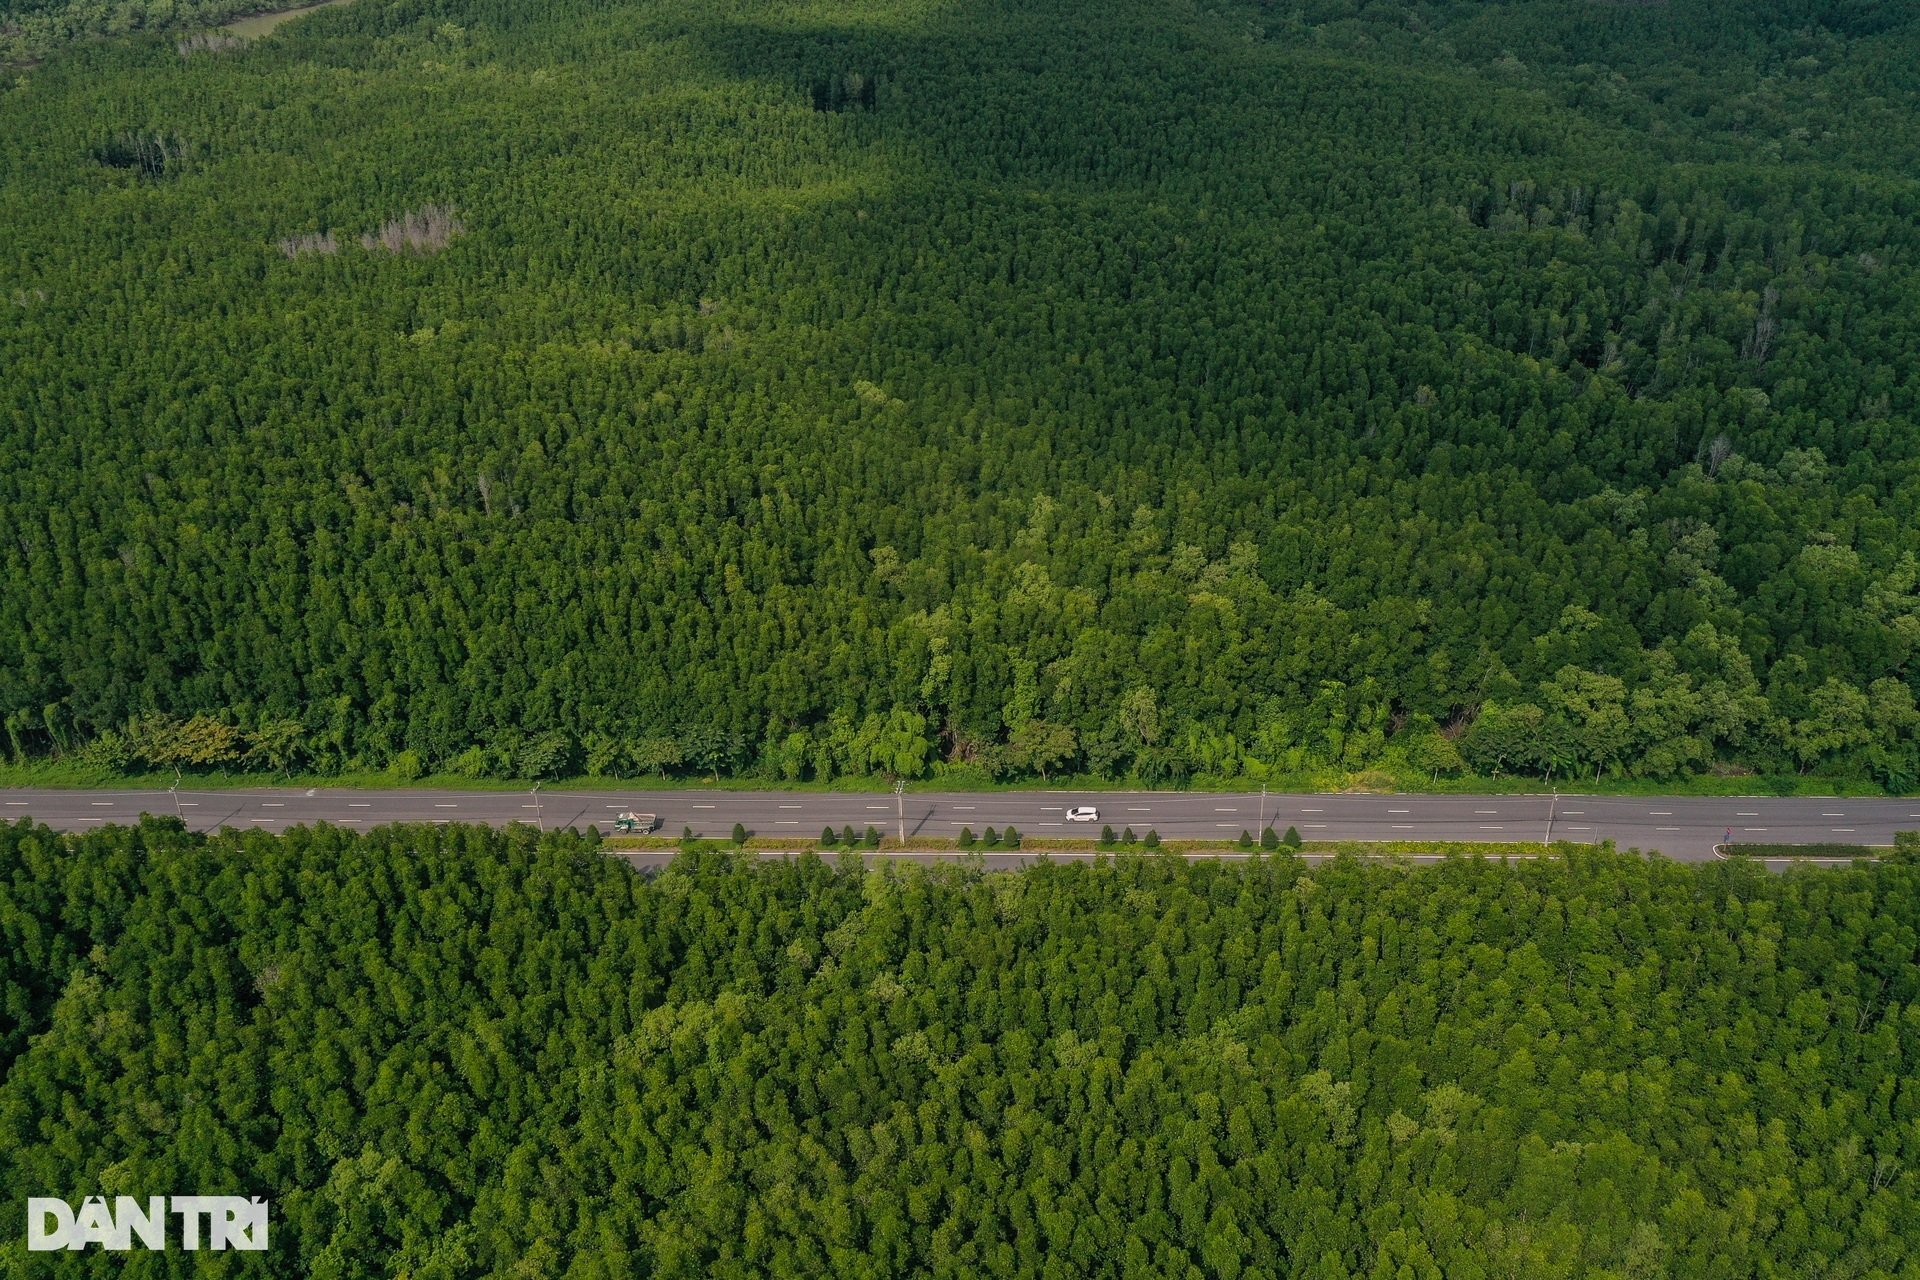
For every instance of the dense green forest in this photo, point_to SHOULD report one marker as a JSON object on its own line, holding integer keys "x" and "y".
{"x": 447, "y": 1052}
{"x": 1132, "y": 389}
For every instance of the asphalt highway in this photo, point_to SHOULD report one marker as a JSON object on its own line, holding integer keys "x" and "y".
{"x": 1683, "y": 828}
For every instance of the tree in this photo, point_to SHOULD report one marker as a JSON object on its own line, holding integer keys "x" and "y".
{"x": 740, "y": 833}
{"x": 872, "y": 838}
{"x": 1292, "y": 838}
{"x": 827, "y": 837}
{"x": 1039, "y": 745}
{"x": 1245, "y": 841}
{"x": 1269, "y": 839}
{"x": 966, "y": 838}
{"x": 1010, "y": 838}
{"x": 1153, "y": 839}
{"x": 1106, "y": 837}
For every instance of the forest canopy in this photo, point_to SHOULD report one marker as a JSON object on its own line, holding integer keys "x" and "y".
{"x": 446, "y": 1052}
{"x": 1090, "y": 386}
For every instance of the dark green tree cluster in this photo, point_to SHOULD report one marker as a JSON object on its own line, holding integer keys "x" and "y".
{"x": 1233, "y": 391}
{"x": 450, "y": 1052}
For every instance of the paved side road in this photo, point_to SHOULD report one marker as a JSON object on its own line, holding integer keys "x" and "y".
{"x": 1681, "y": 827}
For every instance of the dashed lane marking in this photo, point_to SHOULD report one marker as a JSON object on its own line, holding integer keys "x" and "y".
{"x": 359, "y": 804}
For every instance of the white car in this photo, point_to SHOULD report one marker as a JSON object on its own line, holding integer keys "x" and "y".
{"x": 1086, "y": 813}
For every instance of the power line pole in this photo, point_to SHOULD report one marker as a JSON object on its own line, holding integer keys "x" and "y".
{"x": 174, "y": 790}
{"x": 1550, "y": 807}
{"x": 1263, "y": 806}
{"x": 538, "y": 820}
{"x": 900, "y": 807}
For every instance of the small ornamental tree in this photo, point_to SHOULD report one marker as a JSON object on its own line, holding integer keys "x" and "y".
{"x": 966, "y": 838}
{"x": 827, "y": 837}
{"x": 1292, "y": 838}
{"x": 848, "y": 838}
{"x": 739, "y": 833}
{"x": 1127, "y": 837}
{"x": 1269, "y": 838}
{"x": 1153, "y": 838}
{"x": 1010, "y": 838}
{"x": 992, "y": 838}
{"x": 1246, "y": 840}
{"x": 686, "y": 833}
{"x": 1106, "y": 837}
{"x": 871, "y": 839}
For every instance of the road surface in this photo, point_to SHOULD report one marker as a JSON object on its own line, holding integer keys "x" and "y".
{"x": 1683, "y": 828}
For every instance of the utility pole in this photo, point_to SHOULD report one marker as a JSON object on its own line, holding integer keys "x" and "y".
{"x": 1263, "y": 806}
{"x": 174, "y": 791}
{"x": 900, "y": 807}
{"x": 537, "y": 819}
{"x": 1550, "y": 807}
